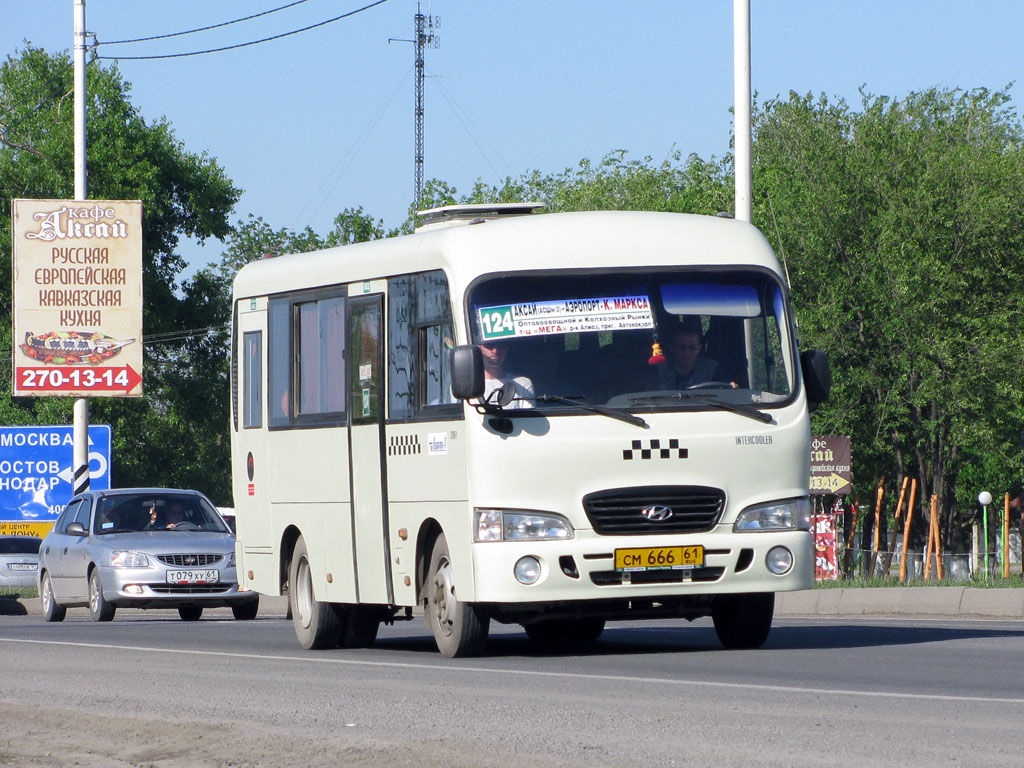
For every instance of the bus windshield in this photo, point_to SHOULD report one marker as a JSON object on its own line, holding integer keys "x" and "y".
{"x": 652, "y": 340}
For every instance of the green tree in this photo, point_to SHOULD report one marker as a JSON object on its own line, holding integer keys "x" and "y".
{"x": 902, "y": 229}
{"x": 162, "y": 438}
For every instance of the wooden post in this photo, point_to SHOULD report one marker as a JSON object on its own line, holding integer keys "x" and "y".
{"x": 877, "y": 527}
{"x": 938, "y": 539}
{"x": 848, "y": 555}
{"x": 895, "y": 529}
{"x": 931, "y": 540}
{"x": 1006, "y": 537}
{"x": 906, "y": 530}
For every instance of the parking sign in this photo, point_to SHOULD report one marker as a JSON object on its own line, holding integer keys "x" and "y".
{"x": 36, "y": 470}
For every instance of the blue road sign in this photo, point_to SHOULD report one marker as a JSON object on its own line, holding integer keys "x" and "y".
{"x": 36, "y": 470}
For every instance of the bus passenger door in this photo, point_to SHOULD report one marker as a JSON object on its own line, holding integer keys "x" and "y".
{"x": 366, "y": 451}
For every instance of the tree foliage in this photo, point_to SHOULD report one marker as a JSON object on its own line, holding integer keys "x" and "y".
{"x": 902, "y": 229}
{"x": 164, "y": 438}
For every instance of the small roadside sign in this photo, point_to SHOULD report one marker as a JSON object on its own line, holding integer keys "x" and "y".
{"x": 36, "y": 474}
{"x": 831, "y": 470}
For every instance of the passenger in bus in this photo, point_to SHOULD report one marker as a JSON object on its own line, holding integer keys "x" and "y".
{"x": 495, "y": 376}
{"x": 684, "y": 364}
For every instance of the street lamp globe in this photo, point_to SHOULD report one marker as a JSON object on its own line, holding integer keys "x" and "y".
{"x": 984, "y": 498}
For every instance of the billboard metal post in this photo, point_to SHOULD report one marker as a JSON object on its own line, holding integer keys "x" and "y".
{"x": 81, "y": 413}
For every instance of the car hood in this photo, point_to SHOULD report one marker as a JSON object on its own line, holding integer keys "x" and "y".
{"x": 168, "y": 542}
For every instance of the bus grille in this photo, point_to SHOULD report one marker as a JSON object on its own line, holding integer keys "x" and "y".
{"x": 190, "y": 560}
{"x": 618, "y": 512}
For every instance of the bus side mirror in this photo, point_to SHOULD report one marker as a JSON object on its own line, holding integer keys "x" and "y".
{"x": 467, "y": 372}
{"x": 817, "y": 376}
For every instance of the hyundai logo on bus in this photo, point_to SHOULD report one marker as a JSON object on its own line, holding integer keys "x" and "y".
{"x": 657, "y": 513}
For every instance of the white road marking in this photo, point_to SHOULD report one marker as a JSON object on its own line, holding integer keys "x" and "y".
{"x": 319, "y": 659}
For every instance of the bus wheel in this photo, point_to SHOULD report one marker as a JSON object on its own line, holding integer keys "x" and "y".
{"x": 361, "y": 625}
{"x": 459, "y": 628}
{"x": 317, "y": 624}
{"x": 743, "y": 621}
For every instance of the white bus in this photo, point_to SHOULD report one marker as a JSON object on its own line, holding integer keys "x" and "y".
{"x": 492, "y": 420}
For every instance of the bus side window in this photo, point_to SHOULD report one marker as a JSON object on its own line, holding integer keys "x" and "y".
{"x": 420, "y": 337}
{"x": 279, "y": 353}
{"x": 401, "y": 392}
{"x": 252, "y": 398}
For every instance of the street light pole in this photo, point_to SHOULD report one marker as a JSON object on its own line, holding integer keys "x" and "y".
{"x": 741, "y": 110}
{"x": 80, "y": 481}
{"x": 985, "y": 498}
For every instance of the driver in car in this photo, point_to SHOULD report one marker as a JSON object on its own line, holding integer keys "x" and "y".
{"x": 684, "y": 364}
{"x": 175, "y": 515}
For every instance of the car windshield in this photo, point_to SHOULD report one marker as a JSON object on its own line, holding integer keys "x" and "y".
{"x": 156, "y": 512}
{"x": 637, "y": 341}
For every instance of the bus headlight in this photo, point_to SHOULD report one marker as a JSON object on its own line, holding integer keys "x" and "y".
{"x": 520, "y": 525}
{"x": 789, "y": 515}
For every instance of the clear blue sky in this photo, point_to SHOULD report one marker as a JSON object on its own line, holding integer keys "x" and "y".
{"x": 316, "y": 122}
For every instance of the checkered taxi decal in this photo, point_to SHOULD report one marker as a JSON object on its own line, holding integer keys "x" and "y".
{"x": 656, "y": 449}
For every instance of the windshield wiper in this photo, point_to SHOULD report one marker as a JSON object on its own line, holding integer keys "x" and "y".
{"x": 742, "y": 410}
{"x": 603, "y": 410}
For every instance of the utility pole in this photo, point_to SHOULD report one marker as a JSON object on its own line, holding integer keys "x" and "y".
{"x": 741, "y": 109}
{"x": 80, "y": 480}
{"x": 425, "y": 38}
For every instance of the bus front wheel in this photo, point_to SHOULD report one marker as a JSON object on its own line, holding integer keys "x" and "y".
{"x": 317, "y": 624}
{"x": 743, "y": 621}
{"x": 459, "y": 628}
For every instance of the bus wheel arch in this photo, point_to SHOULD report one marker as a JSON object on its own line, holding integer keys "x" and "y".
{"x": 290, "y": 535}
{"x": 430, "y": 529}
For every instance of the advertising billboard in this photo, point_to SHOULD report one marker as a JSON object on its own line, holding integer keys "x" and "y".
{"x": 36, "y": 473}
{"x": 77, "y": 297}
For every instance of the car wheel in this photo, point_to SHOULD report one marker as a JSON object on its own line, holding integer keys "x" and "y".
{"x": 51, "y": 610}
{"x": 246, "y": 611}
{"x": 743, "y": 621}
{"x": 317, "y": 624}
{"x": 99, "y": 608}
{"x": 459, "y": 628}
{"x": 191, "y": 612}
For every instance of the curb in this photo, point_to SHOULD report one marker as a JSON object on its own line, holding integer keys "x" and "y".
{"x": 909, "y": 602}
{"x": 906, "y": 602}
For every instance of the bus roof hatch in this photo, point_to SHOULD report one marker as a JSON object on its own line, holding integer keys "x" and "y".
{"x": 457, "y": 215}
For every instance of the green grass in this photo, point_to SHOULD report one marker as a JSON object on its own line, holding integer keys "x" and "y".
{"x": 24, "y": 593}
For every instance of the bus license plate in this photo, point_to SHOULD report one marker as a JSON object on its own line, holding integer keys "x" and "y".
{"x": 659, "y": 558}
{"x": 193, "y": 577}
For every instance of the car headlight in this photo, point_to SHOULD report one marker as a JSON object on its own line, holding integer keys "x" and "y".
{"x": 788, "y": 515}
{"x": 129, "y": 559}
{"x": 517, "y": 525}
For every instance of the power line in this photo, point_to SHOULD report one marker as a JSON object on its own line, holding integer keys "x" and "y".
{"x": 203, "y": 29}
{"x": 251, "y": 42}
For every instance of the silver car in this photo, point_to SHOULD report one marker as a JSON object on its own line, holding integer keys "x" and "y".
{"x": 140, "y": 548}
{"x": 19, "y": 561}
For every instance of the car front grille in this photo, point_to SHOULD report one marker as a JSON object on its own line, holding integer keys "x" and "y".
{"x": 619, "y": 511}
{"x": 189, "y": 561}
{"x": 190, "y": 589}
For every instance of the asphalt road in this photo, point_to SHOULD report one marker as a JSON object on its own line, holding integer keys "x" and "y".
{"x": 149, "y": 690}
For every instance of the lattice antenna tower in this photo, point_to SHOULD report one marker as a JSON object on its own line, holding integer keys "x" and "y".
{"x": 425, "y": 38}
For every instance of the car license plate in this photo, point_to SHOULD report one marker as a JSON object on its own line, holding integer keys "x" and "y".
{"x": 23, "y": 566}
{"x": 207, "y": 576}
{"x": 659, "y": 558}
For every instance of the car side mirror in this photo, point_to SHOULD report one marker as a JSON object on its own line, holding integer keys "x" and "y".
{"x": 817, "y": 376}
{"x": 75, "y": 529}
{"x": 467, "y": 372}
